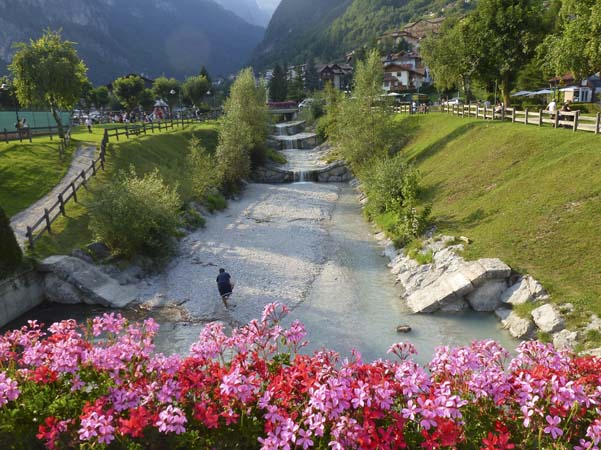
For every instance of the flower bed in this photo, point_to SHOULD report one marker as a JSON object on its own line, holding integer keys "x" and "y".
{"x": 101, "y": 385}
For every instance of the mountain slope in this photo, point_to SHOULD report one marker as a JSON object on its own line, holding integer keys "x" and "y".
{"x": 175, "y": 37}
{"x": 248, "y": 10}
{"x": 339, "y": 26}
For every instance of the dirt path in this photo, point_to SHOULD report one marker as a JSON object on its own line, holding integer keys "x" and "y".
{"x": 81, "y": 160}
{"x": 272, "y": 242}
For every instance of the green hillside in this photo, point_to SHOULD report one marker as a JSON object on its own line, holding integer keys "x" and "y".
{"x": 528, "y": 195}
{"x": 300, "y": 29}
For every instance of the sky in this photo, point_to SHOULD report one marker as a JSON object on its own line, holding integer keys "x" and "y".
{"x": 269, "y": 5}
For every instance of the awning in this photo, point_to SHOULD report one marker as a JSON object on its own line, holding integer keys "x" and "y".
{"x": 541, "y": 92}
{"x": 521, "y": 93}
{"x": 570, "y": 89}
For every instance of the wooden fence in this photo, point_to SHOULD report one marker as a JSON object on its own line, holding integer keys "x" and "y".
{"x": 408, "y": 109}
{"x": 29, "y": 133}
{"x": 565, "y": 119}
{"x": 44, "y": 223}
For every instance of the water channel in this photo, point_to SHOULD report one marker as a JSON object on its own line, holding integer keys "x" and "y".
{"x": 353, "y": 303}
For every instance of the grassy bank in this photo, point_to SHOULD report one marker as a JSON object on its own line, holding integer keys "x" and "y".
{"x": 166, "y": 151}
{"x": 526, "y": 195}
{"x": 28, "y": 171}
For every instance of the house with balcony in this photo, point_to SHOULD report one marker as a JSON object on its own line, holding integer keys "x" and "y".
{"x": 404, "y": 72}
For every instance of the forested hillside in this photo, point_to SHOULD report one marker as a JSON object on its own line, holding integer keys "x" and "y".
{"x": 175, "y": 37}
{"x": 300, "y": 28}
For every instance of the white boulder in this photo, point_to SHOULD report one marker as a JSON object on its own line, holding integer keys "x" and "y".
{"x": 565, "y": 339}
{"x": 487, "y": 297}
{"x": 548, "y": 319}
{"x": 519, "y": 327}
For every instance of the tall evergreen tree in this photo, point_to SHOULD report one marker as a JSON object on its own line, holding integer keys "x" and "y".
{"x": 311, "y": 76}
{"x": 278, "y": 84}
{"x": 205, "y": 73}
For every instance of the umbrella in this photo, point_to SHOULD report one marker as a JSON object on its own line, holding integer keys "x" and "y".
{"x": 160, "y": 104}
{"x": 569, "y": 89}
{"x": 393, "y": 94}
{"x": 541, "y": 92}
{"x": 521, "y": 93}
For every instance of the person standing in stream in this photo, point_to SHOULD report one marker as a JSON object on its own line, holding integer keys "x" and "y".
{"x": 225, "y": 285}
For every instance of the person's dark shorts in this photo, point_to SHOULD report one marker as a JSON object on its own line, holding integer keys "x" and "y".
{"x": 224, "y": 288}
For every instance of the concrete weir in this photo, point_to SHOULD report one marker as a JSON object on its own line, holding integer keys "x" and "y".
{"x": 305, "y": 158}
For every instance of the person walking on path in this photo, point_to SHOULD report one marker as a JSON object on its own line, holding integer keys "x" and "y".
{"x": 89, "y": 124}
{"x": 225, "y": 285}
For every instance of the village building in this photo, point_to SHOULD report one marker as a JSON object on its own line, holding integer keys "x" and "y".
{"x": 340, "y": 75}
{"x": 404, "y": 72}
{"x": 582, "y": 91}
{"x": 412, "y": 33}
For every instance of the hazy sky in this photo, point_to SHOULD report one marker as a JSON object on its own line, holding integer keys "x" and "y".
{"x": 268, "y": 4}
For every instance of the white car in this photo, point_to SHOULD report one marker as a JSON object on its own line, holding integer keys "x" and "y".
{"x": 306, "y": 102}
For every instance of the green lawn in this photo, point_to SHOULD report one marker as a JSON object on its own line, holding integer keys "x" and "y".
{"x": 166, "y": 151}
{"x": 29, "y": 171}
{"x": 530, "y": 196}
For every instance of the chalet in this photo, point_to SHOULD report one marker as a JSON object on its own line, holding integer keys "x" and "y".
{"x": 340, "y": 75}
{"x": 413, "y": 32}
{"x": 404, "y": 72}
{"x": 583, "y": 91}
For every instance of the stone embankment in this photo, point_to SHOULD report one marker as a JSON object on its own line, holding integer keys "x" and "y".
{"x": 449, "y": 283}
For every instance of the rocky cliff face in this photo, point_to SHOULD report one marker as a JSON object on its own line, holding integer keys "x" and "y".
{"x": 174, "y": 37}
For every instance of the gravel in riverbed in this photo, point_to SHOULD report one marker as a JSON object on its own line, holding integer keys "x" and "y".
{"x": 272, "y": 242}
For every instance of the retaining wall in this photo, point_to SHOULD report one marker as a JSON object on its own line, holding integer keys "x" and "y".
{"x": 20, "y": 294}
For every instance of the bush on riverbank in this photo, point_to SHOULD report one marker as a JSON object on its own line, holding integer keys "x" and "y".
{"x": 391, "y": 185}
{"x": 244, "y": 130}
{"x": 136, "y": 215}
{"x": 102, "y": 386}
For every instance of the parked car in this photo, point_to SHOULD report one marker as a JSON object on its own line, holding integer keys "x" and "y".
{"x": 306, "y": 102}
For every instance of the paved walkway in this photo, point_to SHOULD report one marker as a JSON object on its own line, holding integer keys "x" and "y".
{"x": 81, "y": 160}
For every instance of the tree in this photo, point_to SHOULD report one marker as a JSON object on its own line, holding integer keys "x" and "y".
{"x": 8, "y": 100}
{"x": 48, "y": 72}
{"x": 9, "y": 248}
{"x": 506, "y": 34}
{"x": 86, "y": 100}
{"x": 194, "y": 89}
{"x": 451, "y": 56}
{"x": 129, "y": 91}
{"x": 205, "y": 73}
{"x": 147, "y": 100}
{"x": 577, "y": 47}
{"x": 361, "y": 129}
{"x": 168, "y": 90}
{"x": 101, "y": 97}
{"x": 244, "y": 128}
{"x": 296, "y": 90}
{"x": 278, "y": 85}
{"x": 311, "y": 76}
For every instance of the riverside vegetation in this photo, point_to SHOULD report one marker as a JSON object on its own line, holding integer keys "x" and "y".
{"x": 102, "y": 386}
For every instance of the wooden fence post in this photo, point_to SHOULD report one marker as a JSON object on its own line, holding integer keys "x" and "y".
{"x": 6, "y": 135}
{"x": 47, "y": 219}
{"x": 50, "y": 131}
{"x": 126, "y": 131}
{"x": 576, "y": 116}
{"x": 61, "y": 204}
{"x": 29, "y": 235}
{"x": 526, "y": 117}
{"x": 74, "y": 192}
{"x": 94, "y": 167}
{"x": 556, "y": 124}
{"x": 598, "y": 123}
{"x": 540, "y": 117}
{"x": 503, "y": 114}
{"x": 513, "y": 115}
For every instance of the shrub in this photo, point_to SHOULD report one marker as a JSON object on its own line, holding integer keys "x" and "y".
{"x": 101, "y": 386}
{"x": 193, "y": 219}
{"x": 136, "y": 215}
{"x": 392, "y": 186}
{"x": 215, "y": 202}
{"x": 201, "y": 170}
{"x": 9, "y": 248}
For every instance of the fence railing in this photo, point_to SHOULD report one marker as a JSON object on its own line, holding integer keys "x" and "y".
{"x": 27, "y": 134}
{"x": 409, "y": 109}
{"x": 574, "y": 120}
{"x": 44, "y": 223}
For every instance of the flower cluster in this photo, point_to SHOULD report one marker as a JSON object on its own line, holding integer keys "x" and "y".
{"x": 103, "y": 385}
